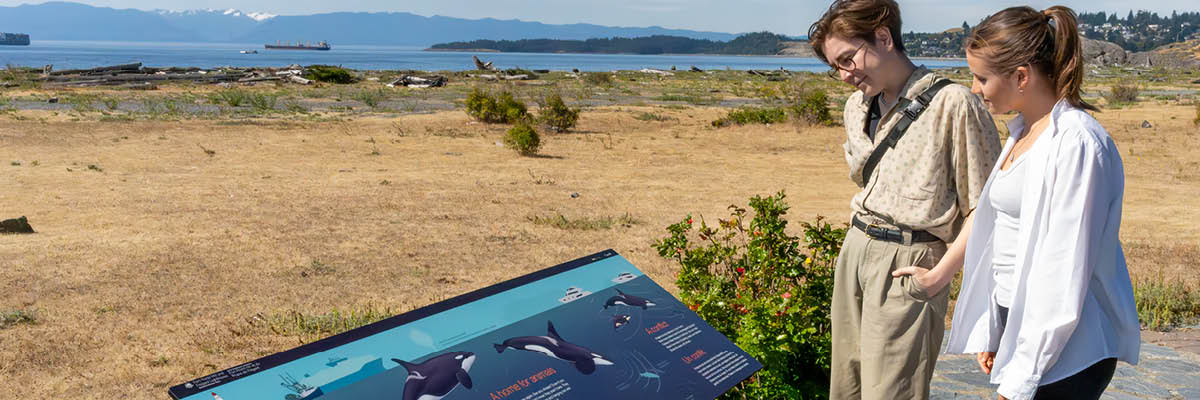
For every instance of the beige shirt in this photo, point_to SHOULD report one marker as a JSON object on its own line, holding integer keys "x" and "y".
{"x": 933, "y": 177}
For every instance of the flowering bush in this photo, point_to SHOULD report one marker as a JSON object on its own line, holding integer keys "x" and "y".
{"x": 767, "y": 291}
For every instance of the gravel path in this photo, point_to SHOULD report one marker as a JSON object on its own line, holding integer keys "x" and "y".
{"x": 1161, "y": 373}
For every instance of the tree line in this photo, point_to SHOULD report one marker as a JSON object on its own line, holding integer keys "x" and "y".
{"x": 759, "y": 43}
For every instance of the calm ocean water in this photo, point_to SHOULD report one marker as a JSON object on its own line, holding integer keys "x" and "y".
{"x": 88, "y": 54}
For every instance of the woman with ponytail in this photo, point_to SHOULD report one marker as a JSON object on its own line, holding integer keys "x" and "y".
{"x": 1046, "y": 302}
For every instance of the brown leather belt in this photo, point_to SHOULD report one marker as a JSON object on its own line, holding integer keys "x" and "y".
{"x": 892, "y": 235}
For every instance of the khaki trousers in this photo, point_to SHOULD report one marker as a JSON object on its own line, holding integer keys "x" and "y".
{"x": 887, "y": 332}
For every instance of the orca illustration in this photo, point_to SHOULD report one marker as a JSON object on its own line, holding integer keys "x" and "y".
{"x": 436, "y": 377}
{"x": 619, "y": 321}
{"x": 627, "y": 300}
{"x": 554, "y": 346}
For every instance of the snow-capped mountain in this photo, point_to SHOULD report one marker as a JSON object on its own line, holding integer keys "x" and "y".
{"x": 215, "y": 25}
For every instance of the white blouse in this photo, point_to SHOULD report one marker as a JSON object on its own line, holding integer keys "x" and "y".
{"x": 1073, "y": 303}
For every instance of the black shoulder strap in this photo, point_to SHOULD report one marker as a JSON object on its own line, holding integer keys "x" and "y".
{"x": 911, "y": 111}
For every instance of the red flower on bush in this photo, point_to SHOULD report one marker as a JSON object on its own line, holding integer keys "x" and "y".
{"x": 741, "y": 270}
{"x": 787, "y": 295}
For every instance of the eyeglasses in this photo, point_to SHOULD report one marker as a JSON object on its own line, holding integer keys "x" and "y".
{"x": 844, "y": 63}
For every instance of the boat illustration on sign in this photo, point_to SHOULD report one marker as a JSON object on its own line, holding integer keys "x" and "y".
{"x": 623, "y": 277}
{"x": 341, "y": 372}
{"x": 573, "y": 293}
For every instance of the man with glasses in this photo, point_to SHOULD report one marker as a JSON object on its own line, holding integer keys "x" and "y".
{"x": 920, "y": 149}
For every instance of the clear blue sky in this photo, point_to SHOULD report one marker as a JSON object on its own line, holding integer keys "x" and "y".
{"x": 790, "y": 17}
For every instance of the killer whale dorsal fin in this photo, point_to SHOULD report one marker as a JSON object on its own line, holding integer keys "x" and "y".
{"x": 463, "y": 378}
{"x": 550, "y": 329}
{"x": 407, "y": 365}
{"x": 620, "y": 293}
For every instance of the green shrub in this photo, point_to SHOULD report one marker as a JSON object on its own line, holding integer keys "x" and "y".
{"x": 329, "y": 73}
{"x": 555, "y": 114}
{"x": 523, "y": 138}
{"x": 597, "y": 78}
{"x": 1122, "y": 93}
{"x": 744, "y": 116}
{"x": 262, "y": 101}
{"x": 499, "y": 109}
{"x": 231, "y": 97}
{"x": 811, "y": 106}
{"x": 371, "y": 98}
{"x": 1163, "y": 304}
{"x": 767, "y": 291}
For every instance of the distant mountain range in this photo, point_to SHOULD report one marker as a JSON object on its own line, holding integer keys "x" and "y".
{"x": 74, "y": 21}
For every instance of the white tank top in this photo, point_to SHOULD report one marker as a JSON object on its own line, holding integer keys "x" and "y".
{"x": 1005, "y": 196}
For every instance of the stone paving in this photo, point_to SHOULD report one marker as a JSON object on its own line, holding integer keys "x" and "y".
{"x": 1161, "y": 373}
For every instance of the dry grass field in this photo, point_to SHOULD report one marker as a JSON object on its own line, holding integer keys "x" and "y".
{"x": 168, "y": 249}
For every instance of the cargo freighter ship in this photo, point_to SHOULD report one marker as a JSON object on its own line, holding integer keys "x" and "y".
{"x": 14, "y": 39}
{"x": 322, "y": 45}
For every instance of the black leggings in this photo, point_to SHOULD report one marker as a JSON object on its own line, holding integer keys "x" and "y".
{"x": 1088, "y": 384}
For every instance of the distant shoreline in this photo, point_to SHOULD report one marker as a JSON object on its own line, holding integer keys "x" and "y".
{"x": 430, "y": 49}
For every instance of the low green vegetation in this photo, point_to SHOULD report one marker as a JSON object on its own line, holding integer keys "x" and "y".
{"x": 1122, "y": 93}
{"x": 370, "y": 97}
{"x": 11, "y": 318}
{"x": 766, "y": 290}
{"x": 555, "y": 114}
{"x": 811, "y": 106}
{"x": 309, "y": 327}
{"x": 523, "y": 138}
{"x": 1164, "y": 304}
{"x": 597, "y": 78}
{"x": 500, "y": 108}
{"x": 585, "y": 223}
{"x": 756, "y": 115}
{"x": 329, "y": 73}
{"x": 649, "y": 116}
{"x": 1197, "y": 120}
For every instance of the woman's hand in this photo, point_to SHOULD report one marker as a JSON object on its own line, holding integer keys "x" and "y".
{"x": 985, "y": 360}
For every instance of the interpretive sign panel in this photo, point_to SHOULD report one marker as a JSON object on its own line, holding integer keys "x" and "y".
{"x": 592, "y": 328}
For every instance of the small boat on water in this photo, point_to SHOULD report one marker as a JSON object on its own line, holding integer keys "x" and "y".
{"x": 322, "y": 45}
{"x": 249, "y": 52}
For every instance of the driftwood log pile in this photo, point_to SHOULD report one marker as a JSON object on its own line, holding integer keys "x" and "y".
{"x": 414, "y": 81}
{"x": 137, "y": 76}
